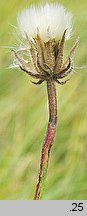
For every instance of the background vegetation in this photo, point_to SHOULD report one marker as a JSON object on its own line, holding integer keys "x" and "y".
{"x": 24, "y": 115}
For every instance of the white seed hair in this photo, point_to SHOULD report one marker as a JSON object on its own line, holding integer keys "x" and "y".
{"x": 50, "y": 19}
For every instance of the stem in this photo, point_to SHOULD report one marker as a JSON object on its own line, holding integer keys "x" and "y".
{"x": 49, "y": 138}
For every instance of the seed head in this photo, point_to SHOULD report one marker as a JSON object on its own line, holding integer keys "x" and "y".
{"x": 45, "y": 29}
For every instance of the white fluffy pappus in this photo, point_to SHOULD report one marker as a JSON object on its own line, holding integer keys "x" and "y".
{"x": 51, "y": 20}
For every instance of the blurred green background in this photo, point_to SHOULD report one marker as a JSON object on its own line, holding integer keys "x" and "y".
{"x": 24, "y": 116}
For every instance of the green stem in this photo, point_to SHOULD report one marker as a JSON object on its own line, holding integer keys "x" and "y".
{"x": 49, "y": 138}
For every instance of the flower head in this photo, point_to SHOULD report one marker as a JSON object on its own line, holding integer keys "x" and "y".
{"x": 51, "y": 20}
{"x": 45, "y": 29}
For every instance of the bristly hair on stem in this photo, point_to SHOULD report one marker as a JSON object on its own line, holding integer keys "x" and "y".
{"x": 49, "y": 138}
{"x": 45, "y": 30}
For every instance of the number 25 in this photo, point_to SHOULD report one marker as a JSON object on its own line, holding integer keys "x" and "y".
{"x": 77, "y": 207}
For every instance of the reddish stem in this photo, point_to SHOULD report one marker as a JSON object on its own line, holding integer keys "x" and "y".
{"x": 49, "y": 138}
